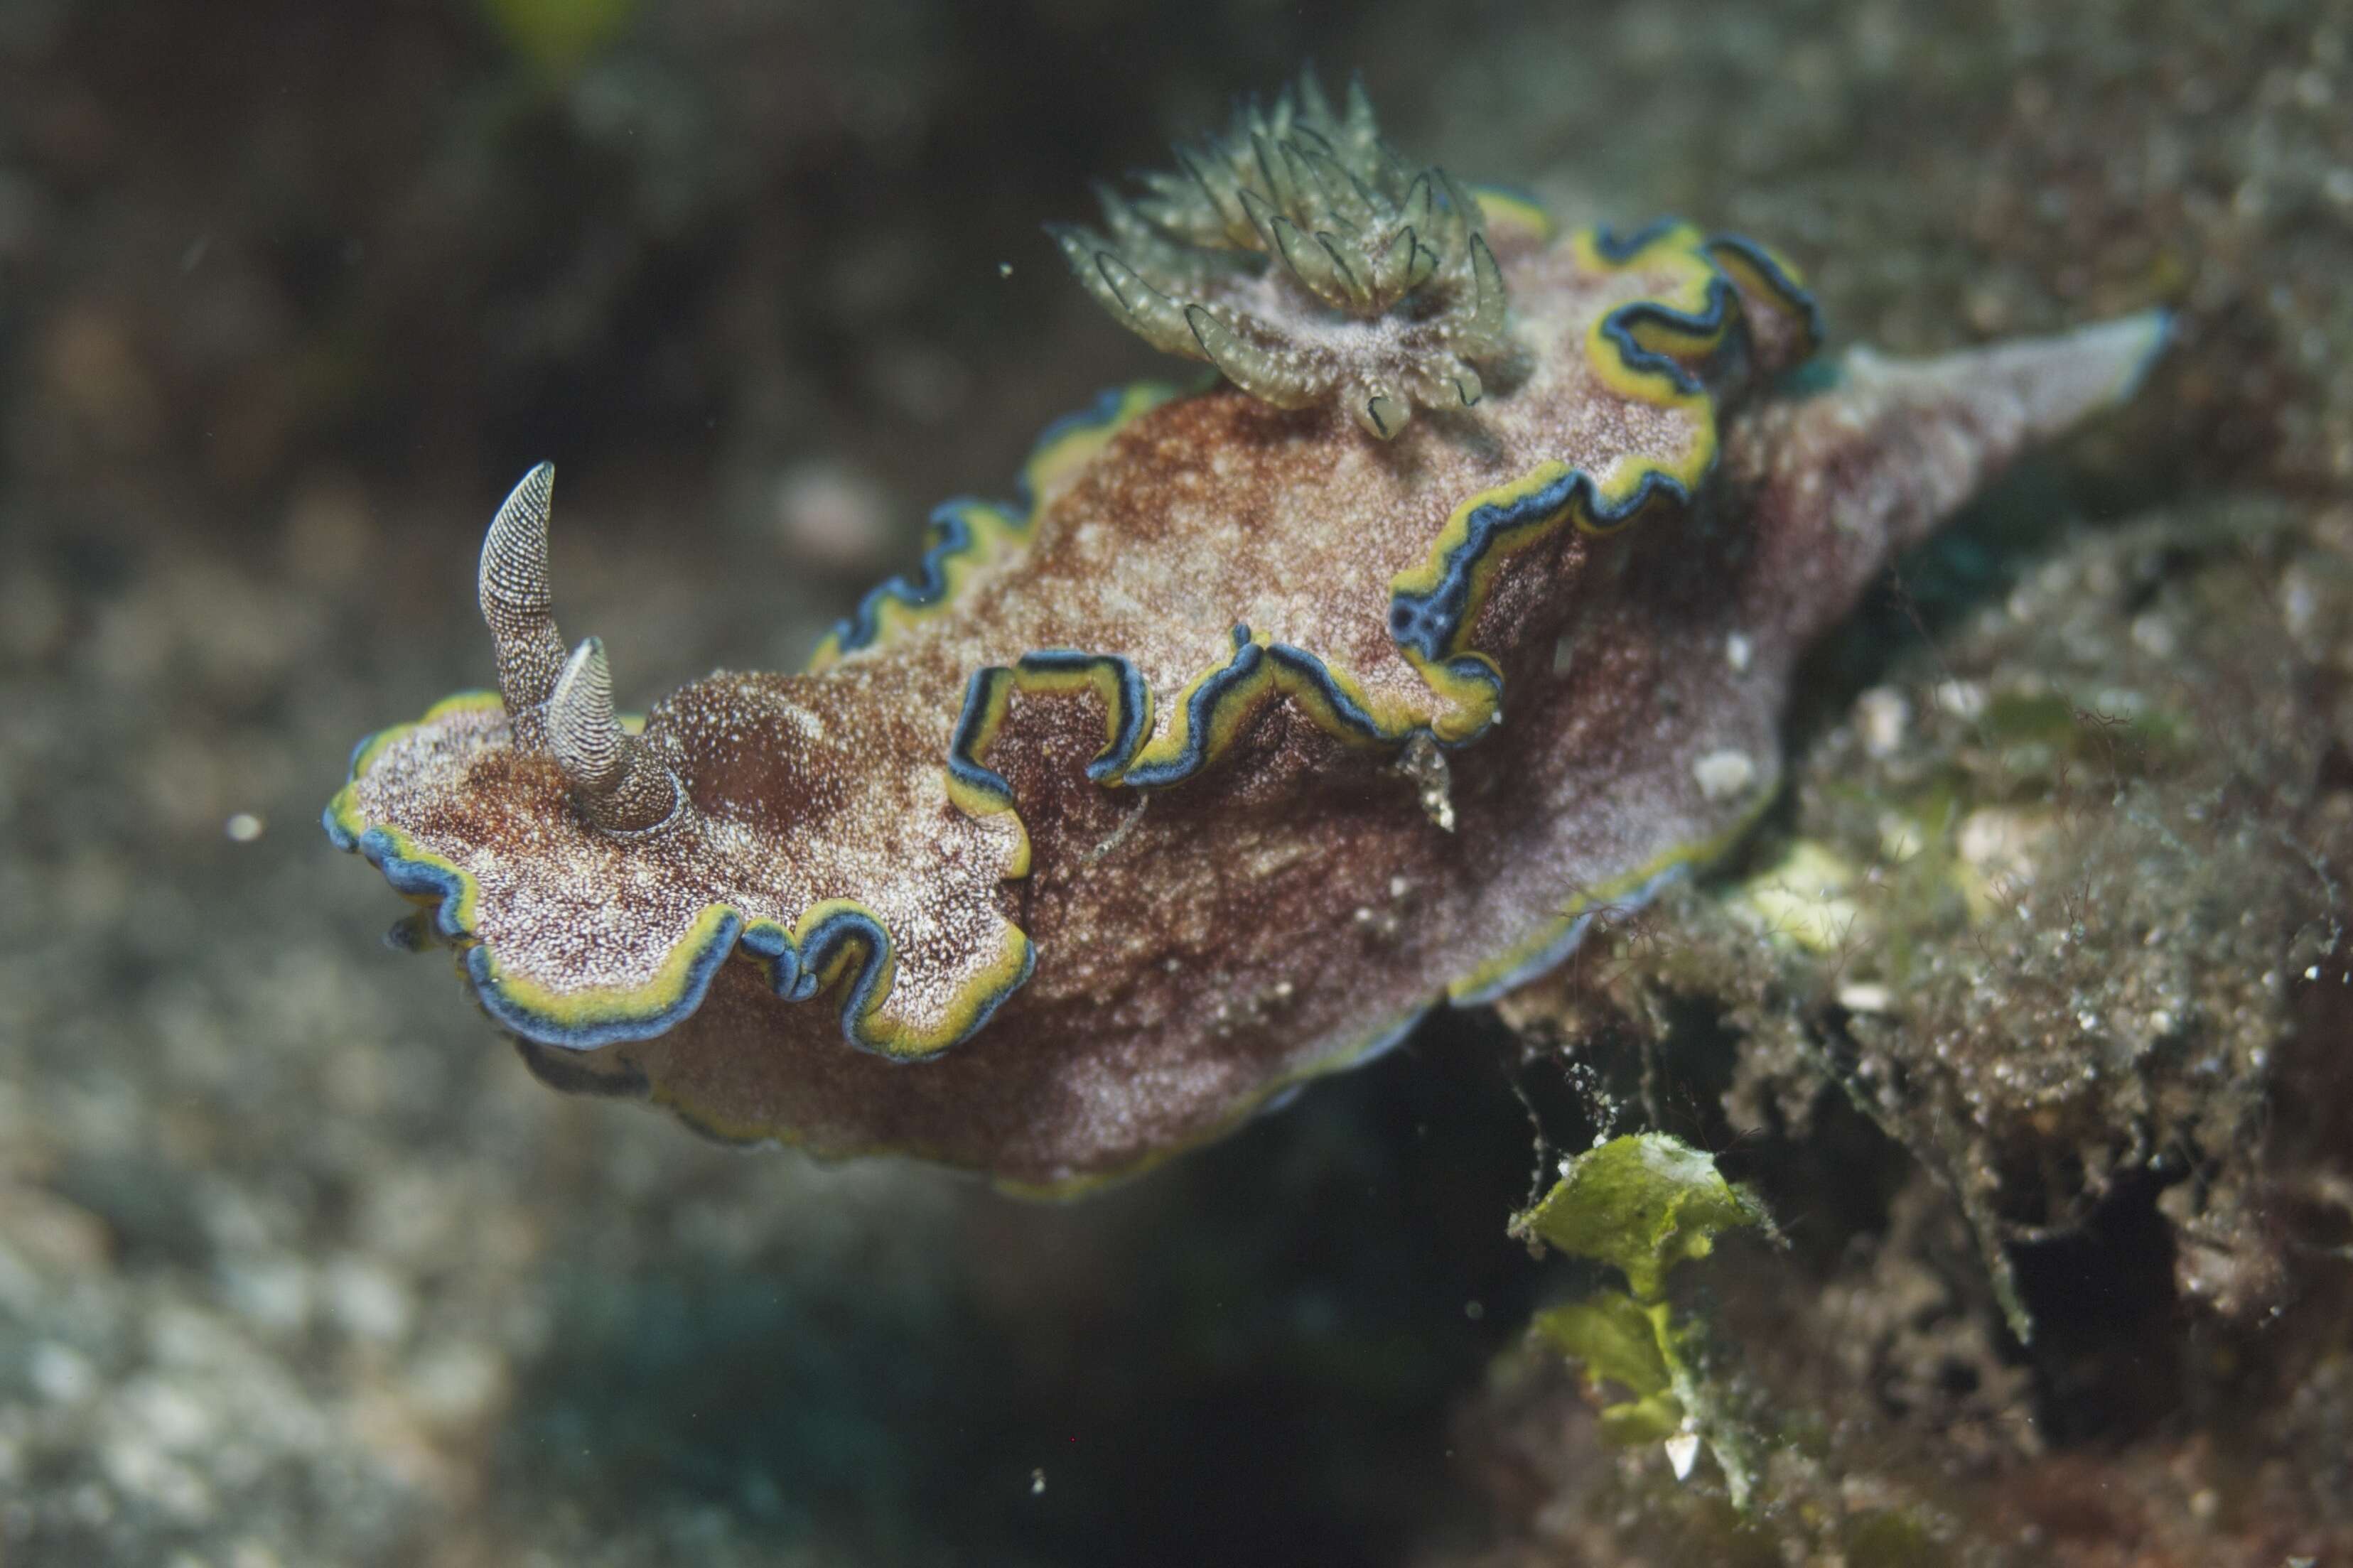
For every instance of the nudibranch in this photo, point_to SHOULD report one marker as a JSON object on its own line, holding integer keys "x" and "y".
{"x": 1265, "y": 720}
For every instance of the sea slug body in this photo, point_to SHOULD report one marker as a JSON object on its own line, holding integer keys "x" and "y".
{"x": 1266, "y": 719}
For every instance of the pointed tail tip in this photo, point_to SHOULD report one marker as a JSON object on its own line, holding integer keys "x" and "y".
{"x": 2062, "y": 379}
{"x": 2132, "y": 345}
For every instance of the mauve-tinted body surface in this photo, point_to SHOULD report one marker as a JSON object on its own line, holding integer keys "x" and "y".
{"x": 1265, "y": 720}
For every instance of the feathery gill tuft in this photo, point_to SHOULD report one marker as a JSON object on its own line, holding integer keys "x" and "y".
{"x": 1304, "y": 258}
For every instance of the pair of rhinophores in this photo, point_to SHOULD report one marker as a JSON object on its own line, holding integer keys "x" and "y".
{"x": 1262, "y": 720}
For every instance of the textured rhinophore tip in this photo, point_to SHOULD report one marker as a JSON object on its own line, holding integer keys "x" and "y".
{"x": 1301, "y": 257}
{"x": 618, "y": 785}
{"x": 518, "y": 604}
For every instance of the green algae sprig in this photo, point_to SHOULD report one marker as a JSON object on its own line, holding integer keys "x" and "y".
{"x": 1643, "y": 1205}
{"x": 1089, "y": 836}
{"x": 1308, "y": 262}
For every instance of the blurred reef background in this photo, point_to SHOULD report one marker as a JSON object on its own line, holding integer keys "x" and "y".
{"x": 2027, "y": 1012}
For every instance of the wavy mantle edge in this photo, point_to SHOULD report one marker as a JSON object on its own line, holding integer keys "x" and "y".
{"x": 1642, "y": 348}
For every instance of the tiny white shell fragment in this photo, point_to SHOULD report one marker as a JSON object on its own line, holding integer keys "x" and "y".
{"x": 1866, "y": 997}
{"x": 1881, "y": 715}
{"x": 1725, "y": 774}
